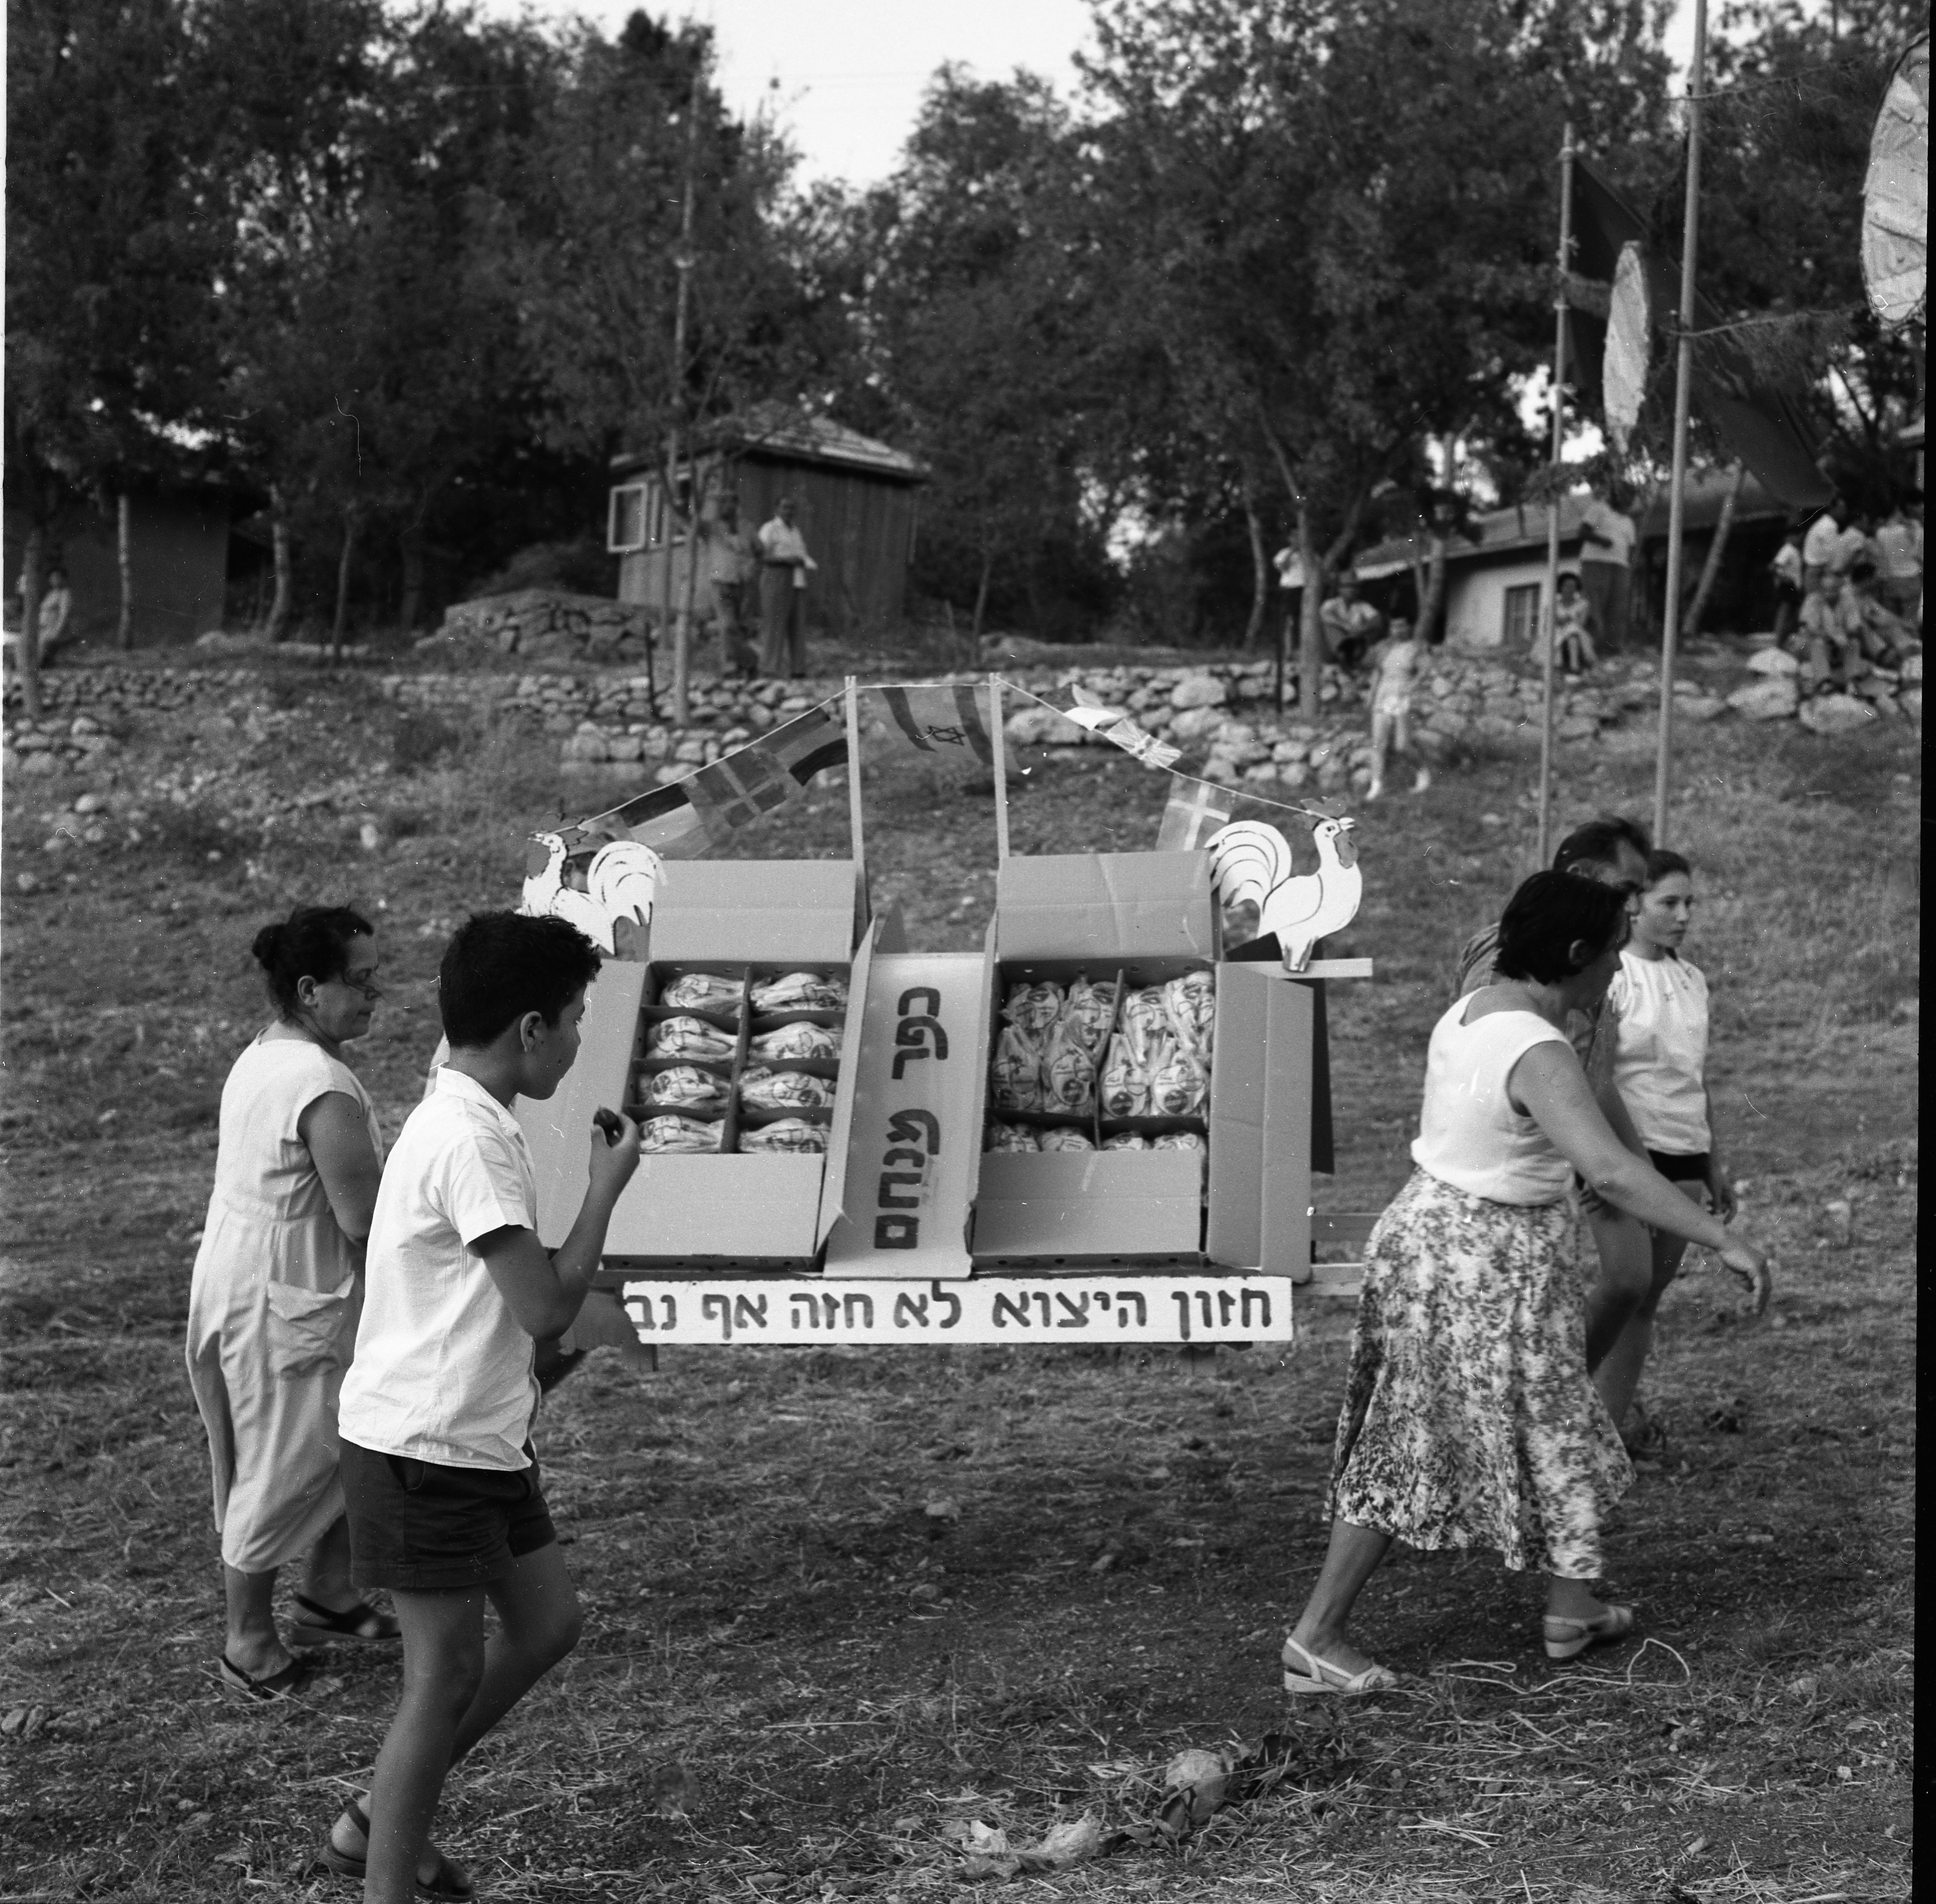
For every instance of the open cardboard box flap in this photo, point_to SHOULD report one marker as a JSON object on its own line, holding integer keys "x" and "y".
{"x": 1063, "y": 906}
{"x": 758, "y": 911}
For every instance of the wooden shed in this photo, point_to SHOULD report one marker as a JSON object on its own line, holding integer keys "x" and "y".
{"x": 855, "y": 500}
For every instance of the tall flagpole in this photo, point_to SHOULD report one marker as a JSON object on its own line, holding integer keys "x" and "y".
{"x": 1552, "y": 596}
{"x": 1684, "y": 368}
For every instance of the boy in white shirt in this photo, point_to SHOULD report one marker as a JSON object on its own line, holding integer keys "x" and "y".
{"x": 439, "y": 1480}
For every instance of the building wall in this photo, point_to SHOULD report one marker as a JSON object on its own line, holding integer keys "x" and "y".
{"x": 179, "y": 553}
{"x": 859, "y": 529}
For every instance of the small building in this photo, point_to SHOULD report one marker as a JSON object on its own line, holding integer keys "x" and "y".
{"x": 1496, "y": 573}
{"x": 178, "y": 563}
{"x": 855, "y": 500}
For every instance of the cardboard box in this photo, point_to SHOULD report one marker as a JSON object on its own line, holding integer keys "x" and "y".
{"x": 706, "y": 1211}
{"x": 1147, "y": 917}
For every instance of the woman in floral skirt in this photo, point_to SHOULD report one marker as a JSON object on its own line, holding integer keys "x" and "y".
{"x": 1468, "y": 1419}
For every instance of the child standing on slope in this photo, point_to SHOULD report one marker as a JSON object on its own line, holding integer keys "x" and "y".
{"x": 1397, "y": 662}
{"x": 1659, "y": 1005}
{"x": 439, "y": 1477}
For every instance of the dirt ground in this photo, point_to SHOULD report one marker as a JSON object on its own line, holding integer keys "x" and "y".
{"x": 844, "y": 1606}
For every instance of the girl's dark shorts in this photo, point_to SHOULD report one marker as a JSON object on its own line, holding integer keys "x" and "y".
{"x": 424, "y": 1529}
{"x": 1686, "y": 1167}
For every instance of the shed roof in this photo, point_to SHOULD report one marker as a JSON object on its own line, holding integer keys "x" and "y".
{"x": 1501, "y": 532}
{"x": 780, "y": 434}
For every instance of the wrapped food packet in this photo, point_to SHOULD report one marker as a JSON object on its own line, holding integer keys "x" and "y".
{"x": 1014, "y": 1072}
{"x": 665, "y": 1134}
{"x": 1125, "y": 1083}
{"x": 762, "y": 1090}
{"x": 1190, "y": 1002}
{"x": 1034, "y": 1007}
{"x": 686, "y": 1088}
{"x": 790, "y": 1136}
{"x": 704, "y": 991}
{"x": 1180, "y": 1140}
{"x": 1180, "y": 1083}
{"x": 1146, "y": 1016}
{"x": 1089, "y": 1010}
{"x": 1012, "y": 1137}
{"x": 1066, "y": 1138}
{"x": 1068, "y": 1073}
{"x": 799, "y": 992}
{"x": 802, "y": 1039}
{"x": 1127, "y": 1140}
{"x": 688, "y": 1037}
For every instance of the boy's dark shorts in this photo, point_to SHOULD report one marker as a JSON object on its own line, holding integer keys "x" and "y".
{"x": 424, "y": 1529}
{"x": 1680, "y": 1167}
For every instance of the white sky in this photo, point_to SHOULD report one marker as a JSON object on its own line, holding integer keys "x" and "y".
{"x": 845, "y": 77}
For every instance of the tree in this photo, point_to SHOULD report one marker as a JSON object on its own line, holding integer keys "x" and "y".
{"x": 111, "y": 259}
{"x": 1333, "y": 280}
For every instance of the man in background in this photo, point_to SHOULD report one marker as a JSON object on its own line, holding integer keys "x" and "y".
{"x": 784, "y": 566}
{"x": 731, "y": 565}
{"x": 1898, "y": 545}
{"x": 1350, "y": 624}
{"x": 1818, "y": 546}
{"x": 1606, "y": 569}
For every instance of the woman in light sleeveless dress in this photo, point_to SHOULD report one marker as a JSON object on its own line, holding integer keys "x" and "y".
{"x": 276, "y": 1293}
{"x": 1468, "y": 1419}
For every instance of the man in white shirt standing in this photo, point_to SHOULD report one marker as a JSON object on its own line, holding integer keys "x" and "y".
{"x": 784, "y": 567}
{"x": 1898, "y": 547}
{"x": 1818, "y": 548}
{"x": 1606, "y": 569}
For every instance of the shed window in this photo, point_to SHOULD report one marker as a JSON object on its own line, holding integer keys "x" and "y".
{"x": 1522, "y": 615}
{"x": 634, "y": 521}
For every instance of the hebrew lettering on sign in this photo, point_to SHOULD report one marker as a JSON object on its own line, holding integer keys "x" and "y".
{"x": 1101, "y": 1308}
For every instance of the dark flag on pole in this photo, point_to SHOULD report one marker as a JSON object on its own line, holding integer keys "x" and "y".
{"x": 1762, "y": 423}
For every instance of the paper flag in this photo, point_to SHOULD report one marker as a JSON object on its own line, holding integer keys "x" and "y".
{"x": 1116, "y": 724}
{"x": 1195, "y": 808}
{"x": 938, "y": 718}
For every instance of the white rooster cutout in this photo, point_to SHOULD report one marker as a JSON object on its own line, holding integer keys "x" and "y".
{"x": 1251, "y": 861}
{"x": 621, "y": 883}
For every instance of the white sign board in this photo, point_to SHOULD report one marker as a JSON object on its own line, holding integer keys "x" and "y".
{"x": 1093, "y": 1310}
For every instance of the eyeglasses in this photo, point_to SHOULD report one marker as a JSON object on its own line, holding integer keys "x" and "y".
{"x": 369, "y": 990}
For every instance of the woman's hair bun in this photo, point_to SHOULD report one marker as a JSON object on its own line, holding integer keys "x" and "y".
{"x": 269, "y": 943}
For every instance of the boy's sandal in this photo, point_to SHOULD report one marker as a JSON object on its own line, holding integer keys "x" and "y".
{"x": 278, "y": 1685}
{"x": 1567, "y": 1639}
{"x": 450, "y": 1880}
{"x": 1305, "y": 1672}
{"x": 319, "y": 1625}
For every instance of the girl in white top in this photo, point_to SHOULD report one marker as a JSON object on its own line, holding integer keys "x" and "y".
{"x": 277, "y": 1288}
{"x": 1397, "y": 662}
{"x": 1469, "y": 1418}
{"x": 1659, "y": 1005}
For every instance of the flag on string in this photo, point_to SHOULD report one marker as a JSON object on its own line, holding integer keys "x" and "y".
{"x": 684, "y": 819}
{"x": 1196, "y": 810}
{"x": 943, "y": 718}
{"x": 1118, "y": 725}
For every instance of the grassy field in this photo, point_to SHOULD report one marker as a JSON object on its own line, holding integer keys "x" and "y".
{"x": 845, "y": 1607}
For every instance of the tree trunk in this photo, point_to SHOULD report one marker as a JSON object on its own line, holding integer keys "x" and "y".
{"x": 1432, "y": 605}
{"x": 1311, "y": 634}
{"x": 28, "y": 651}
{"x": 982, "y": 598}
{"x": 701, "y": 485}
{"x": 277, "y": 625}
{"x": 124, "y": 551}
{"x": 1260, "y": 574}
{"x": 1691, "y": 623}
{"x": 410, "y": 548}
{"x": 343, "y": 585}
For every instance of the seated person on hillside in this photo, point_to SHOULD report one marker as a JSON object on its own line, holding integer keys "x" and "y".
{"x": 1572, "y": 623}
{"x": 1884, "y": 637}
{"x": 1350, "y": 624}
{"x": 1830, "y": 637}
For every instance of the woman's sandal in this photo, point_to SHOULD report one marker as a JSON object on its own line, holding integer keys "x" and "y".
{"x": 1566, "y": 1640}
{"x": 1307, "y": 1673}
{"x": 318, "y": 1625}
{"x": 278, "y": 1685}
{"x": 450, "y": 1880}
